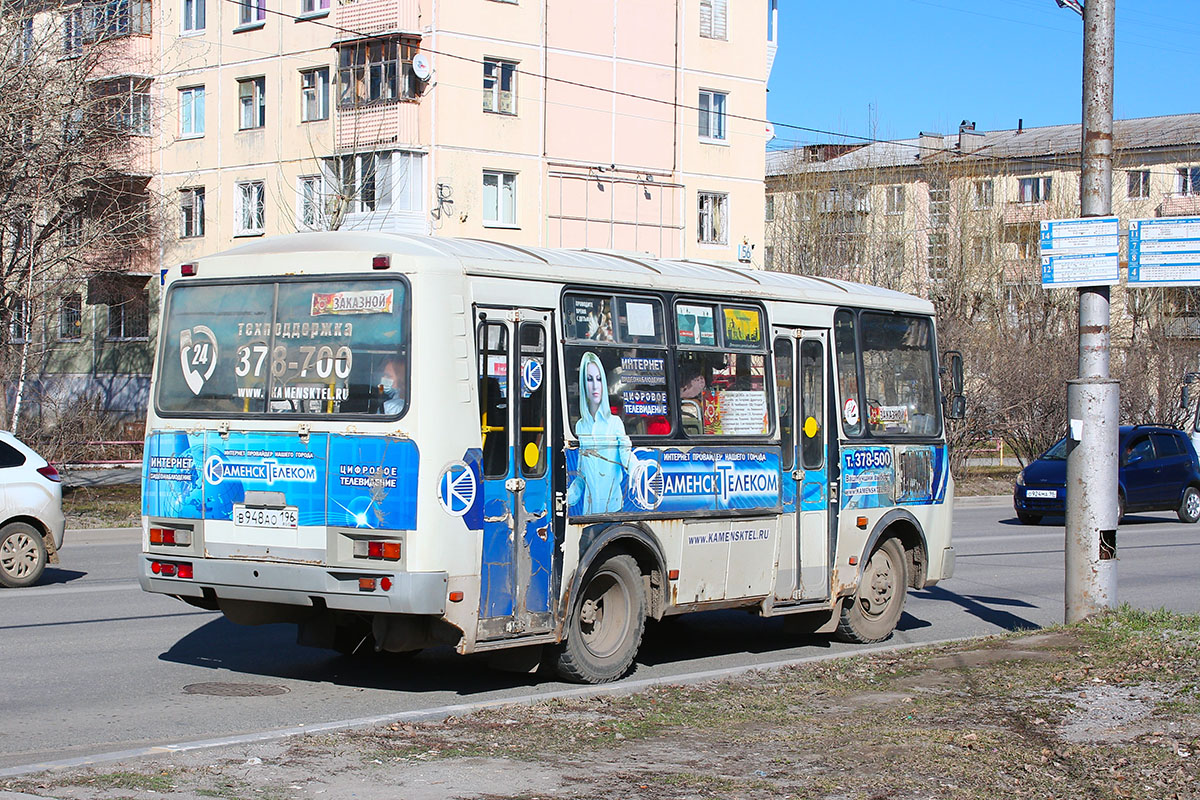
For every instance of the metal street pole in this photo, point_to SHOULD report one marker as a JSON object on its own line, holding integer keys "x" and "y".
{"x": 1092, "y": 399}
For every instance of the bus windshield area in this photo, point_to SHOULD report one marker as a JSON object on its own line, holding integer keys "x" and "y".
{"x": 899, "y": 372}
{"x": 312, "y": 347}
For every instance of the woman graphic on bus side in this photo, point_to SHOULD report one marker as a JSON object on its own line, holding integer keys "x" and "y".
{"x": 605, "y": 453}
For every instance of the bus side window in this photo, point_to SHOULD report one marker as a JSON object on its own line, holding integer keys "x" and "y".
{"x": 493, "y": 398}
{"x": 783, "y": 390}
{"x": 534, "y": 368}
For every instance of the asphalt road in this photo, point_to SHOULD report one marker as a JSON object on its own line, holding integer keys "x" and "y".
{"x": 92, "y": 665}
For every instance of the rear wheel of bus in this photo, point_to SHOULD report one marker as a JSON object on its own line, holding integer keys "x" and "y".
{"x": 872, "y": 613}
{"x": 606, "y": 624}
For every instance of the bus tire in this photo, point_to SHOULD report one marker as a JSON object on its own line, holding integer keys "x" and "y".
{"x": 606, "y": 623}
{"x": 22, "y": 555}
{"x": 872, "y": 613}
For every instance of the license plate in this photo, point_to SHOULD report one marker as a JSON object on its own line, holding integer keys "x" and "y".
{"x": 1051, "y": 493}
{"x": 252, "y": 517}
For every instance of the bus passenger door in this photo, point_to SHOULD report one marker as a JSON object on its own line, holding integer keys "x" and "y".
{"x": 518, "y": 536}
{"x": 802, "y": 385}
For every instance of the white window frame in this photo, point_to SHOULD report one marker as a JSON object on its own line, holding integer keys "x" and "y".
{"x": 314, "y": 8}
{"x": 711, "y": 119}
{"x": 314, "y": 91}
{"x": 1138, "y": 183}
{"x": 983, "y": 194}
{"x": 1039, "y": 189}
{"x": 252, "y": 105}
{"x": 894, "y": 199}
{"x": 191, "y": 13}
{"x": 251, "y": 14}
{"x": 714, "y": 19}
{"x": 120, "y": 320}
{"x": 712, "y": 225}
{"x": 1187, "y": 180}
{"x": 250, "y": 209}
{"x": 497, "y": 72}
{"x": 502, "y": 213}
{"x": 191, "y": 97}
{"x": 191, "y": 212}
{"x": 310, "y": 203}
{"x": 18, "y": 321}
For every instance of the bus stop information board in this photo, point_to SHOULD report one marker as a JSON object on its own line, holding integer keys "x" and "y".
{"x": 1164, "y": 252}
{"x": 1081, "y": 252}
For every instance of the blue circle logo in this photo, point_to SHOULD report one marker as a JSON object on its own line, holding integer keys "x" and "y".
{"x": 651, "y": 485}
{"x": 531, "y": 375}
{"x": 456, "y": 489}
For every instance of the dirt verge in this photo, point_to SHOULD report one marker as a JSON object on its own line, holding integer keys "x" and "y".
{"x": 1107, "y": 709}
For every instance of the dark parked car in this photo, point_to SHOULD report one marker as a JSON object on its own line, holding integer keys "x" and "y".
{"x": 1158, "y": 472}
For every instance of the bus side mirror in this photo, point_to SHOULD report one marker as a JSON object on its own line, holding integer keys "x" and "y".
{"x": 956, "y": 372}
{"x": 958, "y": 407}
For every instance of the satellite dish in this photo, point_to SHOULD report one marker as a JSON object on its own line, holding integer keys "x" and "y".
{"x": 421, "y": 66}
{"x": 770, "y": 129}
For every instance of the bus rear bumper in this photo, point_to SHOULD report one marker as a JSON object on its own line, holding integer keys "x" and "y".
{"x": 304, "y": 585}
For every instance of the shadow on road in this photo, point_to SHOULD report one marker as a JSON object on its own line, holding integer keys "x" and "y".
{"x": 1060, "y": 521}
{"x": 55, "y": 576}
{"x": 271, "y": 651}
{"x": 981, "y": 607}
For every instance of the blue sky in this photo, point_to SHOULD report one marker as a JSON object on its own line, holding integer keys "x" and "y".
{"x": 893, "y": 68}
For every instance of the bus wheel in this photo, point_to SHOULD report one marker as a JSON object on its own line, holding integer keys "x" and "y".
{"x": 871, "y": 615}
{"x": 606, "y": 624}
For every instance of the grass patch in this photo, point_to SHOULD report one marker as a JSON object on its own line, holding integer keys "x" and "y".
{"x": 137, "y": 781}
{"x": 112, "y": 506}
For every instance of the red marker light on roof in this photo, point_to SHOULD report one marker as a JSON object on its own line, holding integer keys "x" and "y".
{"x": 381, "y": 262}
{"x": 187, "y": 270}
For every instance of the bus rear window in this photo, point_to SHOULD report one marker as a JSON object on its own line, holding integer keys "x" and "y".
{"x": 290, "y": 347}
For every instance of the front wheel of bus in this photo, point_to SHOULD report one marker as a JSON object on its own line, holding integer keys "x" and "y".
{"x": 872, "y": 613}
{"x": 606, "y": 624}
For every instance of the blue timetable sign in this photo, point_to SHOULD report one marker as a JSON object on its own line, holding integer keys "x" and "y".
{"x": 1164, "y": 251}
{"x": 1081, "y": 252}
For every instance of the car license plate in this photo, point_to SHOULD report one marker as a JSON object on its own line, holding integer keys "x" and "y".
{"x": 1041, "y": 493}
{"x": 254, "y": 517}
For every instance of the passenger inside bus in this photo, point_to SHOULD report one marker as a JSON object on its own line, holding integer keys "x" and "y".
{"x": 392, "y": 385}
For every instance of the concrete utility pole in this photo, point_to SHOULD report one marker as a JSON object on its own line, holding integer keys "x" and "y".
{"x": 1092, "y": 399}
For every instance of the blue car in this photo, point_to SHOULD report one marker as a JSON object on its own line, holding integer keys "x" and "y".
{"x": 1158, "y": 472}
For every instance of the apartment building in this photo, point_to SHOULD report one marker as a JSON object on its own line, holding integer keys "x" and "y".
{"x": 620, "y": 124}
{"x": 965, "y": 207}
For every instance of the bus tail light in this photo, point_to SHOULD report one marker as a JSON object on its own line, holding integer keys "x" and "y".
{"x": 381, "y": 262}
{"x": 187, "y": 270}
{"x": 385, "y": 583}
{"x": 366, "y": 584}
{"x": 170, "y": 536}
{"x": 172, "y": 569}
{"x": 385, "y": 550}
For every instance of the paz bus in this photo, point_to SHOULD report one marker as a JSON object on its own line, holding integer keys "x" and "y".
{"x": 400, "y": 442}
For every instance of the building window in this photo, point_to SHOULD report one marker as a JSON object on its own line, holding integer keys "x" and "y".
{"x": 768, "y": 257}
{"x": 769, "y": 211}
{"x": 18, "y": 320}
{"x": 895, "y": 199}
{"x": 314, "y": 6}
{"x": 72, "y": 231}
{"x": 251, "y": 211}
{"x": 712, "y": 19}
{"x": 252, "y": 103}
{"x": 193, "y": 16}
{"x": 500, "y": 198}
{"x": 1187, "y": 180}
{"x": 311, "y": 203}
{"x": 191, "y": 212}
{"x": 126, "y": 102}
{"x": 982, "y": 193}
{"x": 98, "y": 20}
{"x": 981, "y": 249}
{"x": 1033, "y": 190}
{"x": 713, "y": 215}
{"x": 129, "y": 318}
{"x": 893, "y": 257}
{"x": 191, "y": 112}
{"x": 314, "y": 94}
{"x": 376, "y": 72}
{"x": 1139, "y": 183}
{"x": 712, "y": 115}
{"x": 70, "y": 317}
{"x": 499, "y": 86}
{"x": 252, "y": 13}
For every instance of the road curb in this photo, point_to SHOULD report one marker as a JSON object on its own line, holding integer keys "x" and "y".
{"x": 983, "y": 500}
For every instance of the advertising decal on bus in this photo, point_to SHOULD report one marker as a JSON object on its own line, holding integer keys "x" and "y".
{"x": 871, "y": 479}
{"x": 610, "y": 479}
{"x": 370, "y": 482}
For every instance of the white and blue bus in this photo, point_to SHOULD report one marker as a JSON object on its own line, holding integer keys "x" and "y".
{"x": 400, "y": 442}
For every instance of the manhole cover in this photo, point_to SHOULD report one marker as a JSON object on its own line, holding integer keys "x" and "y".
{"x": 234, "y": 689}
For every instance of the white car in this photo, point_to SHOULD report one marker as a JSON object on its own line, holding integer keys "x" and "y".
{"x": 31, "y": 515}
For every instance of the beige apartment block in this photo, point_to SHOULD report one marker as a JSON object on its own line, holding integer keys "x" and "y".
{"x": 622, "y": 124}
{"x": 940, "y": 211}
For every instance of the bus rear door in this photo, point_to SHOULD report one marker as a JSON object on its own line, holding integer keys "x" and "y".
{"x": 518, "y": 531}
